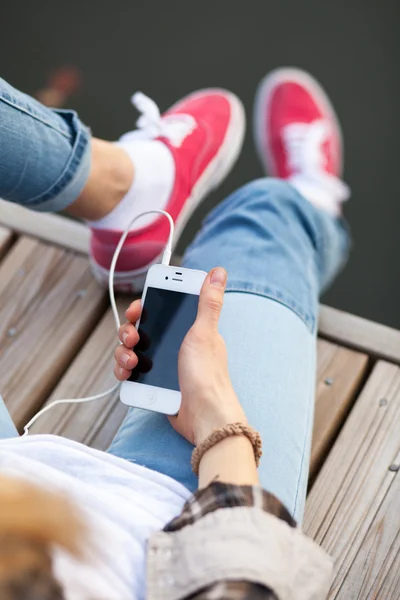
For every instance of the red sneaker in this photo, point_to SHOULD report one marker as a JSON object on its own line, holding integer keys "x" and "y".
{"x": 298, "y": 136}
{"x": 204, "y": 132}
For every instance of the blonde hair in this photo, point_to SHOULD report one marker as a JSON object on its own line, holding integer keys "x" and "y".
{"x": 32, "y": 522}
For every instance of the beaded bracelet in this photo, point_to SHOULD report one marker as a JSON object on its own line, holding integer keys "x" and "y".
{"x": 222, "y": 433}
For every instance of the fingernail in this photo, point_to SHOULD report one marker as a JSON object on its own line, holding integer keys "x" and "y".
{"x": 125, "y": 338}
{"x": 218, "y": 277}
{"x": 125, "y": 359}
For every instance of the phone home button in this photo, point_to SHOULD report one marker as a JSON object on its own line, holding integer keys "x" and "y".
{"x": 151, "y": 398}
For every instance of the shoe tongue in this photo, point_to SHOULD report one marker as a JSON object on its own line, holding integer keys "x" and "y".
{"x": 151, "y": 125}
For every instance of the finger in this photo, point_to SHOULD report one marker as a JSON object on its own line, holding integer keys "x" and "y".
{"x": 125, "y": 358}
{"x": 121, "y": 373}
{"x": 134, "y": 311}
{"x": 128, "y": 335}
{"x": 211, "y": 298}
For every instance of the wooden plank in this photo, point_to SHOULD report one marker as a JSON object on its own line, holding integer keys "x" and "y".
{"x": 339, "y": 376}
{"x": 356, "y": 493}
{"x": 6, "y": 237}
{"x": 49, "y": 304}
{"x": 373, "y": 573}
{"x": 94, "y": 423}
{"x": 377, "y": 340}
{"x": 47, "y": 227}
{"x": 388, "y": 577}
{"x": 355, "y": 332}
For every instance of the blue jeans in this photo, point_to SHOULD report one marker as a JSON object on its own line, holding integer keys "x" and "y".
{"x": 44, "y": 154}
{"x": 280, "y": 252}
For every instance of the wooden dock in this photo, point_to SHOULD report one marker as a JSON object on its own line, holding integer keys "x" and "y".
{"x": 56, "y": 341}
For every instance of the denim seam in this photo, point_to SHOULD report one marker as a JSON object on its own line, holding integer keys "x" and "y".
{"x": 310, "y": 411}
{"x": 35, "y": 116}
{"x": 308, "y": 320}
{"x": 69, "y": 171}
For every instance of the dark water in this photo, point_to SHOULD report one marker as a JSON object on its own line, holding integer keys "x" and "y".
{"x": 169, "y": 48}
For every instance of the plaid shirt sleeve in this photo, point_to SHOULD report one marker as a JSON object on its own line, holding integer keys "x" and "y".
{"x": 218, "y": 496}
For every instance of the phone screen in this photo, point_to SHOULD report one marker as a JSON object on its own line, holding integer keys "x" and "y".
{"x": 166, "y": 318}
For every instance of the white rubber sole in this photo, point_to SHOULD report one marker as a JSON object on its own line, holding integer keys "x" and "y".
{"x": 213, "y": 175}
{"x": 261, "y": 103}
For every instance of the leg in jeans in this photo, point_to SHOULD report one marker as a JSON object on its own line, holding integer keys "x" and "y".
{"x": 279, "y": 251}
{"x": 49, "y": 162}
{"x": 45, "y": 157}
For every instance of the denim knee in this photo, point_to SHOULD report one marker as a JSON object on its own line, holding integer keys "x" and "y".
{"x": 328, "y": 237}
{"x": 272, "y": 242}
{"x": 263, "y": 196}
{"x": 256, "y": 234}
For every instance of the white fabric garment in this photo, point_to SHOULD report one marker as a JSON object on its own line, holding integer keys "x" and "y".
{"x": 122, "y": 503}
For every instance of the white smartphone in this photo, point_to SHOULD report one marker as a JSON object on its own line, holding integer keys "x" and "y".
{"x": 169, "y": 308}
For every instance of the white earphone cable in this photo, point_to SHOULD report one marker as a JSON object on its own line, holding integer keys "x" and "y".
{"x": 166, "y": 257}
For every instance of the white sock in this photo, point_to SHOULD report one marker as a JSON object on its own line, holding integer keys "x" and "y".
{"x": 323, "y": 190}
{"x": 151, "y": 188}
{"x": 304, "y": 146}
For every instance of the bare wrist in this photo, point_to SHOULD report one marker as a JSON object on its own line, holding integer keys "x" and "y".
{"x": 216, "y": 421}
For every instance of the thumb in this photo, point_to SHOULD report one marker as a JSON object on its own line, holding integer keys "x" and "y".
{"x": 211, "y": 298}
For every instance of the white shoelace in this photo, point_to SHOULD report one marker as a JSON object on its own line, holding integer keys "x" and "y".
{"x": 303, "y": 144}
{"x": 151, "y": 124}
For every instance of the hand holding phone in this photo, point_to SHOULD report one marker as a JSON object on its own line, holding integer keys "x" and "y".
{"x": 208, "y": 398}
{"x": 170, "y": 300}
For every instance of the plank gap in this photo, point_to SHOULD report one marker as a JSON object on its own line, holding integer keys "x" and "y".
{"x": 358, "y": 385}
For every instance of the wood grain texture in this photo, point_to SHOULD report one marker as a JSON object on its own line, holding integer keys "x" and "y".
{"x": 94, "y": 423}
{"x": 377, "y": 340}
{"x": 353, "y": 508}
{"x": 339, "y": 374}
{"x": 55, "y": 229}
{"x": 49, "y": 304}
{"x": 373, "y": 574}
